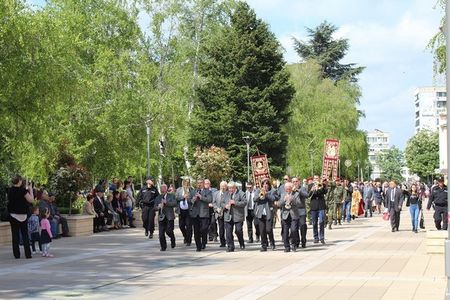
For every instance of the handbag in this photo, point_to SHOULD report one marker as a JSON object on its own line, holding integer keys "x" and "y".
{"x": 386, "y": 215}
{"x": 422, "y": 221}
{"x": 407, "y": 202}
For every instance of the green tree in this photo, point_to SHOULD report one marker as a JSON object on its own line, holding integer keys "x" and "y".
{"x": 328, "y": 52}
{"x": 391, "y": 162}
{"x": 323, "y": 109}
{"x": 437, "y": 43}
{"x": 422, "y": 153}
{"x": 245, "y": 90}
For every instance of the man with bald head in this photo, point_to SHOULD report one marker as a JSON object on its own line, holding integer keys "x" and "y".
{"x": 164, "y": 206}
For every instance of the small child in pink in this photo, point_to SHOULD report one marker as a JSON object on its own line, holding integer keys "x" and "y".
{"x": 46, "y": 233}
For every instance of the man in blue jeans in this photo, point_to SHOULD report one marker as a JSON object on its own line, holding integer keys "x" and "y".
{"x": 317, "y": 193}
{"x": 347, "y": 207}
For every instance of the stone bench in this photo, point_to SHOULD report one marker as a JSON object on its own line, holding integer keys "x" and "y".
{"x": 80, "y": 225}
{"x": 5, "y": 234}
{"x": 436, "y": 241}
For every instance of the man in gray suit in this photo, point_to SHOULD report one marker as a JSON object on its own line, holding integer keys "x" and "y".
{"x": 164, "y": 206}
{"x": 251, "y": 194}
{"x": 288, "y": 203}
{"x": 368, "y": 196}
{"x": 233, "y": 215}
{"x": 219, "y": 197}
{"x": 302, "y": 192}
{"x": 394, "y": 202}
{"x": 199, "y": 212}
{"x": 264, "y": 214}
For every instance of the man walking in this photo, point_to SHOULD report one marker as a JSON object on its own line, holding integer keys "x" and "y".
{"x": 394, "y": 202}
{"x": 438, "y": 199}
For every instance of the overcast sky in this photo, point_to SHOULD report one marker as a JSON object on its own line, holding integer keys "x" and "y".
{"x": 388, "y": 37}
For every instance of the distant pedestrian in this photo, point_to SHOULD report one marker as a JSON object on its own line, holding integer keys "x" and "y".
{"x": 46, "y": 233}
{"x": 414, "y": 203}
{"x": 19, "y": 201}
{"x": 394, "y": 202}
{"x": 438, "y": 199}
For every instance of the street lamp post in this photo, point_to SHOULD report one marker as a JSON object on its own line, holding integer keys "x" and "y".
{"x": 147, "y": 125}
{"x": 247, "y": 141}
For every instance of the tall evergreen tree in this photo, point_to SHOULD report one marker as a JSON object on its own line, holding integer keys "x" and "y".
{"x": 328, "y": 52}
{"x": 245, "y": 91}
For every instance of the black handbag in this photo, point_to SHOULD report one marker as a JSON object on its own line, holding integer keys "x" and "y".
{"x": 422, "y": 221}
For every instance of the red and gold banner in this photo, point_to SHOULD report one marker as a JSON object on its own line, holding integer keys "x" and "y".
{"x": 260, "y": 168}
{"x": 330, "y": 159}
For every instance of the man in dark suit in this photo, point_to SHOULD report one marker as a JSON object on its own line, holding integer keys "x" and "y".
{"x": 164, "y": 205}
{"x": 199, "y": 212}
{"x": 251, "y": 194}
{"x": 233, "y": 215}
{"x": 146, "y": 200}
{"x": 184, "y": 196}
{"x": 288, "y": 203}
{"x": 221, "y": 196}
{"x": 264, "y": 213}
{"x": 394, "y": 202}
{"x": 302, "y": 192}
{"x": 99, "y": 207}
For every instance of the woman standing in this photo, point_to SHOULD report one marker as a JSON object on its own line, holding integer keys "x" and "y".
{"x": 414, "y": 202}
{"x": 19, "y": 200}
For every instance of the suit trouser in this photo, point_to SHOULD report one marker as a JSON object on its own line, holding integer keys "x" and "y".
{"x": 394, "y": 217}
{"x": 290, "y": 229}
{"x": 18, "y": 228}
{"x": 166, "y": 227}
{"x": 148, "y": 218}
{"x": 440, "y": 215}
{"x": 200, "y": 231}
{"x": 212, "y": 226}
{"x": 318, "y": 221}
{"x": 303, "y": 228}
{"x": 252, "y": 221}
{"x": 221, "y": 223}
{"x": 185, "y": 224}
{"x": 368, "y": 206}
{"x": 265, "y": 229}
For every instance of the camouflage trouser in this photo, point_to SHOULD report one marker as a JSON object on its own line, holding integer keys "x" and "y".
{"x": 334, "y": 212}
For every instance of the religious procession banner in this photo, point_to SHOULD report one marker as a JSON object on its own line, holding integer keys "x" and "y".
{"x": 330, "y": 159}
{"x": 260, "y": 168}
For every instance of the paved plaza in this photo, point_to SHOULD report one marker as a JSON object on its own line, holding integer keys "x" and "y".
{"x": 361, "y": 260}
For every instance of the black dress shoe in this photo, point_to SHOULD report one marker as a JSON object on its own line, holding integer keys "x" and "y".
{"x": 172, "y": 245}
{"x": 274, "y": 247}
{"x": 162, "y": 249}
{"x": 393, "y": 229}
{"x": 250, "y": 240}
{"x": 303, "y": 245}
{"x": 263, "y": 249}
{"x": 230, "y": 250}
{"x": 294, "y": 249}
{"x": 150, "y": 236}
{"x": 203, "y": 247}
{"x": 222, "y": 245}
{"x": 257, "y": 239}
{"x": 242, "y": 247}
{"x": 287, "y": 249}
{"x": 322, "y": 241}
{"x": 188, "y": 244}
{"x": 316, "y": 241}
{"x": 198, "y": 249}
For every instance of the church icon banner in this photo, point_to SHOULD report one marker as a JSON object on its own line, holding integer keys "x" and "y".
{"x": 260, "y": 168}
{"x": 330, "y": 159}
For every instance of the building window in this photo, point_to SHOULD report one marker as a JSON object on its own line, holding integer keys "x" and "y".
{"x": 441, "y": 94}
{"x": 417, "y": 123}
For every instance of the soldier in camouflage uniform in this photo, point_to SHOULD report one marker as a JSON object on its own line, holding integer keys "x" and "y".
{"x": 335, "y": 199}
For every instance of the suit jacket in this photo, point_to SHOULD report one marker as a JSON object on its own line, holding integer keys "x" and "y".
{"x": 168, "y": 207}
{"x": 265, "y": 205}
{"x": 179, "y": 196}
{"x": 254, "y": 198}
{"x": 99, "y": 205}
{"x": 217, "y": 203}
{"x": 293, "y": 211}
{"x": 200, "y": 206}
{"x": 302, "y": 195}
{"x": 397, "y": 201}
{"x": 236, "y": 213}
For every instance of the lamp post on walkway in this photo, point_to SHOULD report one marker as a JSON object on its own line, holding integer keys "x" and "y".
{"x": 247, "y": 141}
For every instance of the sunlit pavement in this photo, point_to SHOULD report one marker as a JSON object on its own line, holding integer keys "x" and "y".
{"x": 361, "y": 260}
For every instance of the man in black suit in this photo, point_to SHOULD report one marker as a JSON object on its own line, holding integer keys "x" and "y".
{"x": 394, "y": 202}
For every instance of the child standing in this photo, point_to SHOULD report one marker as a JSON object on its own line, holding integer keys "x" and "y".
{"x": 33, "y": 229}
{"x": 46, "y": 233}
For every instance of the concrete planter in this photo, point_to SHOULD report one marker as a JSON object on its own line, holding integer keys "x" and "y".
{"x": 5, "y": 234}
{"x": 80, "y": 225}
